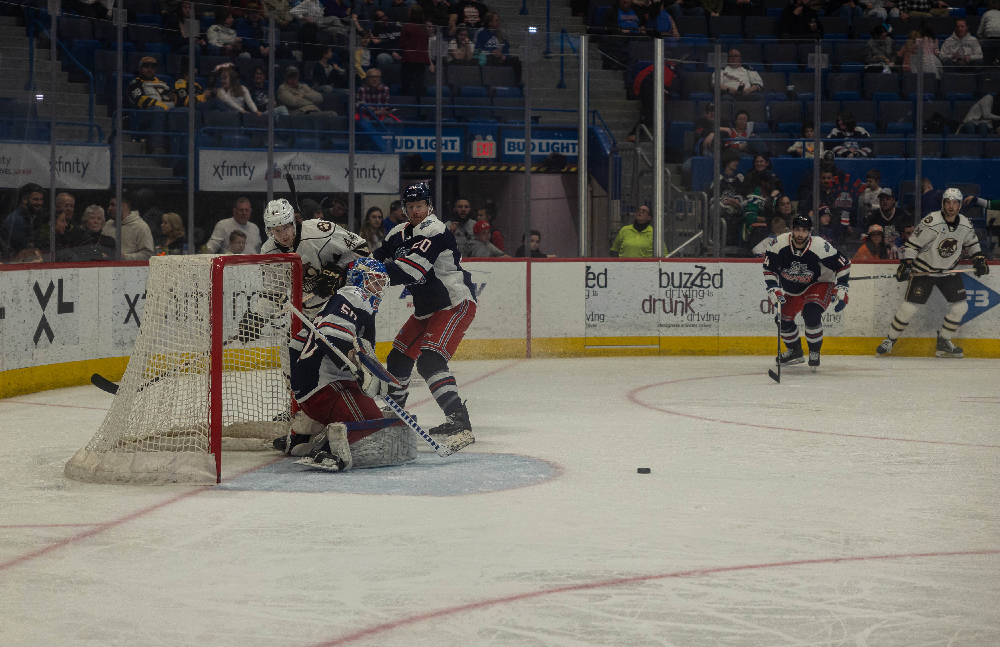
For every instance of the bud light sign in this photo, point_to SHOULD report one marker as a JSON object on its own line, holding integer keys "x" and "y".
{"x": 543, "y": 143}
{"x": 422, "y": 141}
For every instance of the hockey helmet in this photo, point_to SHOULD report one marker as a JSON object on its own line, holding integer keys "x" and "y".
{"x": 416, "y": 193}
{"x": 951, "y": 194}
{"x": 802, "y": 221}
{"x": 279, "y": 212}
{"x": 371, "y": 279}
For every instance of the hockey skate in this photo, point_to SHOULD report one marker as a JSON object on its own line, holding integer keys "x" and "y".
{"x": 332, "y": 454}
{"x": 455, "y": 423}
{"x": 886, "y": 347}
{"x": 793, "y": 355}
{"x": 947, "y": 349}
{"x": 814, "y": 360}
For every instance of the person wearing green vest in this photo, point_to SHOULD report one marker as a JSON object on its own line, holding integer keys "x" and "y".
{"x": 635, "y": 240}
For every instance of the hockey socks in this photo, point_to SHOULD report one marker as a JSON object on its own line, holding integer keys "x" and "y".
{"x": 953, "y": 319}
{"x": 901, "y": 320}
{"x": 445, "y": 391}
{"x": 400, "y": 367}
{"x": 814, "y": 339}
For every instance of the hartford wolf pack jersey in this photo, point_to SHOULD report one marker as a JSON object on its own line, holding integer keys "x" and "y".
{"x": 321, "y": 245}
{"x": 344, "y": 318}
{"x": 426, "y": 259}
{"x": 795, "y": 270}
{"x": 936, "y": 246}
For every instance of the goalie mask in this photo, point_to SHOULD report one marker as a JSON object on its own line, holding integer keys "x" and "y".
{"x": 370, "y": 278}
{"x": 279, "y": 212}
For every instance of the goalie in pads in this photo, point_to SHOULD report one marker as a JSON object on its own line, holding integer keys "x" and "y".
{"x": 330, "y": 391}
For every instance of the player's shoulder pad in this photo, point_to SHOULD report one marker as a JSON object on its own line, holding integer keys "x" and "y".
{"x": 316, "y": 229}
{"x": 269, "y": 247}
{"x": 430, "y": 227}
{"x": 398, "y": 229}
{"x": 822, "y": 247}
{"x": 350, "y": 294}
{"x": 932, "y": 219}
{"x": 782, "y": 241}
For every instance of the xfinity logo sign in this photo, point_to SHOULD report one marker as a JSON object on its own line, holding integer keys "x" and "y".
{"x": 227, "y": 170}
{"x": 314, "y": 171}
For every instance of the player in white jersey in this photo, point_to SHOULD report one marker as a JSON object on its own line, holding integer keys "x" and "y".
{"x": 935, "y": 247}
{"x": 325, "y": 249}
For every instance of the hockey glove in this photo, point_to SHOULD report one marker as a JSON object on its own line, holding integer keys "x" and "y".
{"x": 371, "y": 384}
{"x": 249, "y": 327}
{"x": 776, "y": 296}
{"x": 904, "y": 270}
{"x": 327, "y": 282}
{"x": 979, "y": 262}
{"x": 839, "y": 298}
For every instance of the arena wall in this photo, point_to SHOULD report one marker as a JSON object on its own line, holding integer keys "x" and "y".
{"x": 61, "y": 323}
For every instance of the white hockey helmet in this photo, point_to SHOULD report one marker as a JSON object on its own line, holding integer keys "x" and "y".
{"x": 279, "y": 212}
{"x": 951, "y": 194}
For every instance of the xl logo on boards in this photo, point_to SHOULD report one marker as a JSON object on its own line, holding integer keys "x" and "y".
{"x": 62, "y": 308}
{"x": 980, "y": 298}
{"x": 701, "y": 278}
{"x": 132, "y": 313}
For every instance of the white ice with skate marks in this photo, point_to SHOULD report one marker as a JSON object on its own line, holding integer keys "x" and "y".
{"x": 755, "y": 527}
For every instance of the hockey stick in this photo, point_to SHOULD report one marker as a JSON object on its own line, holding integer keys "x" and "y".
{"x": 295, "y": 194}
{"x": 892, "y": 276}
{"x": 777, "y": 376}
{"x": 108, "y": 386}
{"x": 389, "y": 402}
{"x": 685, "y": 243}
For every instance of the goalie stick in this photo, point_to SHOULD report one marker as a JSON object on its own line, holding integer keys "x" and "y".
{"x": 440, "y": 450}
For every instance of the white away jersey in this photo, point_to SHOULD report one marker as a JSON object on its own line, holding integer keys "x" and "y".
{"x": 936, "y": 246}
{"x": 426, "y": 259}
{"x": 321, "y": 245}
{"x": 794, "y": 270}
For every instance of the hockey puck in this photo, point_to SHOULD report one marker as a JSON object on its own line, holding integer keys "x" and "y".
{"x": 643, "y": 470}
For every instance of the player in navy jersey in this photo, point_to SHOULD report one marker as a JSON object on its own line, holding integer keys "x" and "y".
{"x": 804, "y": 273}
{"x": 422, "y": 254}
{"x": 328, "y": 389}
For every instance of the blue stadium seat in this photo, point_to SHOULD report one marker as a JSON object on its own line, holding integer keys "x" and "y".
{"x": 236, "y": 141}
{"x": 307, "y": 143}
{"x": 472, "y": 91}
{"x": 675, "y": 138}
{"x": 508, "y": 92}
{"x": 85, "y": 51}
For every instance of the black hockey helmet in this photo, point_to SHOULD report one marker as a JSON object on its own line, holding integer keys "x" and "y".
{"x": 802, "y": 221}
{"x": 417, "y": 192}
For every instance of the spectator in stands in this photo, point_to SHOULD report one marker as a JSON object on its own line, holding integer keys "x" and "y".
{"x": 327, "y": 75}
{"x": 779, "y": 225}
{"x": 679, "y": 8}
{"x": 223, "y": 36}
{"x": 868, "y": 201}
{"x": 260, "y": 95}
{"x": 174, "y": 236}
{"x": 961, "y": 48}
{"x": 66, "y": 204}
{"x": 218, "y": 243}
{"x": 147, "y": 92}
{"x": 237, "y": 242}
{"x": 740, "y": 83}
{"x": 311, "y": 210}
{"x": 989, "y": 32}
{"x": 42, "y": 241}
{"x": 233, "y": 96}
{"x": 873, "y": 246}
{"x": 622, "y": 20}
{"x": 415, "y": 58}
{"x": 922, "y": 8}
{"x": 298, "y": 97}
{"x": 980, "y": 120}
{"x": 371, "y": 228}
{"x": 741, "y": 135}
{"x": 743, "y": 8}
{"x": 805, "y": 145}
{"x": 883, "y": 9}
{"x": 396, "y": 216}
{"x": 851, "y": 140}
{"x": 704, "y": 130}
{"x": 492, "y": 42}
{"x": 18, "y": 229}
{"x": 930, "y": 198}
{"x": 878, "y": 50}
{"x": 831, "y": 230}
{"x": 480, "y": 245}
{"x": 137, "y": 239}
{"x": 896, "y": 246}
{"x": 795, "y": 18}
{"x": 460, "y": 49}
{"x": 635, "y": 240}
{"x": 462, "y": 217}
{"x": 888, "y": 216}
{"x": 94, "y": 245}
{"x": 762, "y": 172}
{"x": 660, "y": 23}
{"x": 374, "y": 94}
{"x": 385, "y": 40}
{"x": 337, "y": 8}
{"x": 850, "y": 10}
{"x": 932, "y": 61}
{"x": 309, "y": 15}
{"x": 496, "y": 238}
{"x": 281, "y": 10}
{"x": 536, "y": 252}
{"x": 826, "y": 195}
{"x": 176, "y": 34}
{"x": 730, "y": 195}
{"x": 202, "y": 100}
{"x": 470, "y": 13}
{"x": 252, "y": 31}
{"x": 335, "y": 208}
{"x": 908, "y": 50}
{"x": 363, "y": 55}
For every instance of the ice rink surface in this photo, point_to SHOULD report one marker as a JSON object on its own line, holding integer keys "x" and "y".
{"x": 856, "y": 506}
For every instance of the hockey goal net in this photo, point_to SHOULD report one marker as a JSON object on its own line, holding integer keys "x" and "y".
{"x": 198, "y": 379}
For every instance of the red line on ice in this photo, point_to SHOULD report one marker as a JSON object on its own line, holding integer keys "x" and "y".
{"x": 632, "y": 396}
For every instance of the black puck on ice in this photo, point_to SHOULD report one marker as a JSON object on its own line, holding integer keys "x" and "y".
{"x": 643, "y": 470}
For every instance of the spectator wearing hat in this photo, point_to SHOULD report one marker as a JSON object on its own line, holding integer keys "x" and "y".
{"x": 147, "y": 92}
{"x": 873, "y": 247}
{"x": 480, "y": 245}
{"x": 830, "y": 230}
{"x": 483, "y": 214}
{"x": 888, "y": 216}
{"x": 298, "y": 97}
{"x": 311, "y": 210}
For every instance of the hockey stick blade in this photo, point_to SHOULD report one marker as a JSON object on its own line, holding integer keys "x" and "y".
{"x": 774, "y": 376}
{"x": 104, "y": 384}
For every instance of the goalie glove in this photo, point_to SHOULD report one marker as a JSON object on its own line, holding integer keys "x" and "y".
{"x": 839, "y": 298}
{"x": 372, "y": 386}
{"x": 776, "y": 296}
{"x": 904, "y": 270}
{"x": 979, "y": 262}
{"x": 250, "y": 327}
{"x": 365, "y": 347}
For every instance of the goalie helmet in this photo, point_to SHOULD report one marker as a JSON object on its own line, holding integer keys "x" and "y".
{"x": 369, "y": 276}
{"x": 279, "y": 212}
{"x": 416, "y": 193}
{"x": 951, "y": 194}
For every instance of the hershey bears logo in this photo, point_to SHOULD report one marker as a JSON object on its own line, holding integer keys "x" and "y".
{"x": 324, "y": 226}
{"x": 947, "y": 247}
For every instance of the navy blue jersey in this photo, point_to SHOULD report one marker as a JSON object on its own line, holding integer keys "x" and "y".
{"x": 345, "y": 317}
{"x": 795, "y": 270}
{"x": 426, "y": 259}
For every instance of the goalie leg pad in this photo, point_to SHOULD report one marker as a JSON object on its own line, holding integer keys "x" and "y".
{"x": 389, "y": 446}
